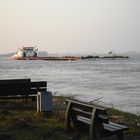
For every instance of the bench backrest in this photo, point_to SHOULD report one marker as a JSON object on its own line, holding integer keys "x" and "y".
{"x": 95, "y": 115}
{"x": 25, "y": 87}
{"x": 86, "y": 110}
{"x": 14, "y": 87}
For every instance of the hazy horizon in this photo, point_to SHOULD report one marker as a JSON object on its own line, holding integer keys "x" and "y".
{"x": 76, "y": 26}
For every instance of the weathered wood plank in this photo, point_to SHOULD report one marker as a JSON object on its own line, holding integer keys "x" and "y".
{"x": 82, "y": 113}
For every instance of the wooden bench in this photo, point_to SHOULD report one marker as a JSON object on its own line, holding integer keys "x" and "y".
{"x": 85, "y": 117}
{"x": 19, "y": 88}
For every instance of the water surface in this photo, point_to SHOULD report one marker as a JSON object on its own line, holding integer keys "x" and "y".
{"x": 114, "y": 81}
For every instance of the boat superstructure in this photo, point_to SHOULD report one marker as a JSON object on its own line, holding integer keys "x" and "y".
{"x": 25, "y": 53}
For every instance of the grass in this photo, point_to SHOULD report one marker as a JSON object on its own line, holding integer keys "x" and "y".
{"x": 133, "y": 121}
{"x": 20, "y": 121}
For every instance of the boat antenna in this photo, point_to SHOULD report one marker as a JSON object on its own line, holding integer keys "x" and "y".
{"x": 35, "y": 48}
{"x": 110, "y": 52}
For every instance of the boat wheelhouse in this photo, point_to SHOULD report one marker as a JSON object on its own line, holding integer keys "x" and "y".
{"x": 25, "y": 52}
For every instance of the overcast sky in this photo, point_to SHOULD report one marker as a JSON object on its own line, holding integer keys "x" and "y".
{"x": 70, "y": 25}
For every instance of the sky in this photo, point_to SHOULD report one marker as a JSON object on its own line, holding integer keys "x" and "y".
{"x": 58, "y": 26}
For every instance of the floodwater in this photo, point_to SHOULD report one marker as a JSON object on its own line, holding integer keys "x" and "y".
{"x": 114, "y": 82}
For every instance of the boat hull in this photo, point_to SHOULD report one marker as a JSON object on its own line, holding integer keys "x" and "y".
{"x": 47, "y": 58}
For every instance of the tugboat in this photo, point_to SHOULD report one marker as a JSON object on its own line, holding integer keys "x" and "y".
{"x": 25, "y": 53}
{"x": 31, "y": 53}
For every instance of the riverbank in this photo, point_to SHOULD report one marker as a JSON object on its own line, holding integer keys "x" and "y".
{"x": 20, "y": 121}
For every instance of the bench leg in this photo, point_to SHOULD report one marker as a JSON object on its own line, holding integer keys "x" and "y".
{"x": 93, "y": 127}
{"x": 94, "y": 135}
{"x": 120, "y": 135}
{"x": 68, "y": 117}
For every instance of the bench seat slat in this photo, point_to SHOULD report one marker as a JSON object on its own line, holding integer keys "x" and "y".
{"x": 103, "y": 118}
{"x": 83, "y": 119}
{"x": 118, "y": 125}
{"x": 109, "y": 129}
{"x": 112, "y": 127}
{"x": 82, "y": 113}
